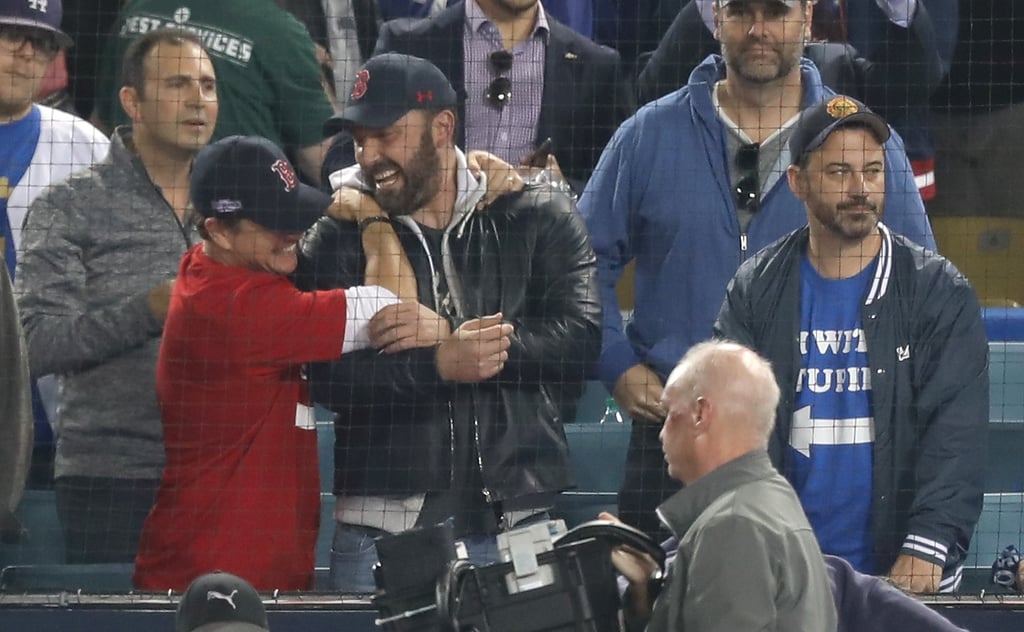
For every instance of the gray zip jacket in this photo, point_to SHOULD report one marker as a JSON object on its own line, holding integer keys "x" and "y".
{"x": 747, "y": 557}
{"x": 93, "y": 247}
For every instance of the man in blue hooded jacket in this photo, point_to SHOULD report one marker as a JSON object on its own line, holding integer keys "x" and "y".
{"x": 689, "y": 188}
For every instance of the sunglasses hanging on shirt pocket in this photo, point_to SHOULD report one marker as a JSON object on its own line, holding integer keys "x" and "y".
{"x": 748, "y": 188}
{"x": 499, "y": 92}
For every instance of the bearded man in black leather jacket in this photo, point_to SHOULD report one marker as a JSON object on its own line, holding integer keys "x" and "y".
{"x": 459, "y": 414}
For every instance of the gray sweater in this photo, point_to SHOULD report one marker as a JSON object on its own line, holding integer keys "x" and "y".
{"x": 93, "y": 247}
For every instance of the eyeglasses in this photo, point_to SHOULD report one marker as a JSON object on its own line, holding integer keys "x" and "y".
{"x": 500, "y": 90}
{"x": 749, "y": 186}
{"x": 15, "y": 36}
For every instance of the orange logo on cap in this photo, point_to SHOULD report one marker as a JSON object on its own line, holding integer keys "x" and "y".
{"x": 839, "y": 107}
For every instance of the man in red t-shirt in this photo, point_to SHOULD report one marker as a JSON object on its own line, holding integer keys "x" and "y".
{"x": 240, "y": 492}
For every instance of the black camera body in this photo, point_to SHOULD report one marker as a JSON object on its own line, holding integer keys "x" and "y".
{"x": 567, "y": 586}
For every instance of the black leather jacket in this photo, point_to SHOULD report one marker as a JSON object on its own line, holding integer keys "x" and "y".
{"x": 527, "y": 256}
{"x": 928, "y": 355}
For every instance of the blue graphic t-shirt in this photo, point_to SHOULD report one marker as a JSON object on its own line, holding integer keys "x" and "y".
{"x": 833, "y": 431}
{"x": 17, "y": 145}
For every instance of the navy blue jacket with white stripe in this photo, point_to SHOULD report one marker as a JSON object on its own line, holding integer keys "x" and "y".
{"x": 928, "y": 357}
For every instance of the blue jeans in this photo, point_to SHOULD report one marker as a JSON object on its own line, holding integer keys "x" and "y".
{"x": 353, "y": 555}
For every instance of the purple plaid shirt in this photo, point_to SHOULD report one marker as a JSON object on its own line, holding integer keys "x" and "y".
{"x": 508, "y": 133}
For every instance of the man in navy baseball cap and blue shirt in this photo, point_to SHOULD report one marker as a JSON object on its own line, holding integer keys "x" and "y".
{"x": 241, "y": 489}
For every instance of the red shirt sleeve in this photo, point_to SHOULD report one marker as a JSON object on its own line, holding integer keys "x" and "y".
{"x": 278, "y": 324}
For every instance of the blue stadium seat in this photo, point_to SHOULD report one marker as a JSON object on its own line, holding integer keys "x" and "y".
{"x": 598, "y": 453}
{"x": 591, "y": 406}
{"x": 1006, "y": 375}
{"x": 1005, "y": 465}
{"x": 1000, "y": 525}
{"x": 1002, "y": 517}
{"x": 1004, "y": 324}
{"x": 1006, "y": 417}
{"x": 42, "y": 541}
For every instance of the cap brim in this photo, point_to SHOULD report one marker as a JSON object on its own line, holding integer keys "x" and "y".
{"x": 229, "y": 626}
{"x": 361, "y": 115}
{"x": 298, "y": 218}
{"x": 63, "y": 39}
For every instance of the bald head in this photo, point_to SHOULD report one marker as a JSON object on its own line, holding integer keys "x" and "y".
{"x": 736, "y": 379}
{"x": 721, "y": 399}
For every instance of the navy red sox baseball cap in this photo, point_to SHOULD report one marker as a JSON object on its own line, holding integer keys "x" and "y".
{"x": 220, "y": 602}
{"x": 40, "y": 14}
{"x": 818, "y": 122}
{"x": 249, "y": 177}
{"x": 388, "y": 86}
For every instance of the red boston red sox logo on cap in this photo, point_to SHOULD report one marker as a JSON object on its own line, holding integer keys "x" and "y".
{"x": 286, "y": 173}
{"x": 359, "y": 87}
{"x": 423, "y": 96}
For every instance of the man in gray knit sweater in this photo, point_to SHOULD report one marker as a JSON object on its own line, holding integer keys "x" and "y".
{"x": 100, "y": 252}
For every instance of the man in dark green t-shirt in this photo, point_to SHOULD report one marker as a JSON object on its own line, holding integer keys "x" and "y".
{"x": 268, "y": 78}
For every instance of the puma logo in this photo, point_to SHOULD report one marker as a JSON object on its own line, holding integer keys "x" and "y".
{"x": 213, "y": 594}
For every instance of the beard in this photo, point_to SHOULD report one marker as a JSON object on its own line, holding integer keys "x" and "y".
{"x": 420, "y": 180}
{"x": 852, "y": 220}
{"x": 765, "y": 70}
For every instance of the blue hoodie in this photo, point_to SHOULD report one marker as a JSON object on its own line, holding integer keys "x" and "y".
{"x": 661, "y": 195}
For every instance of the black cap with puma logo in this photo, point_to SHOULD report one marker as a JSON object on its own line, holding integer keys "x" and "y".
{"x": 220, "y": 602}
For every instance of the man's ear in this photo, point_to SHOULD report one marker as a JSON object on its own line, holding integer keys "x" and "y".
{"x": 218, "y": 233}
{"x": 130, "y": 102}
{"x": 443, "y": 128}
{"x": 717, "y": 18}
{"x": 797, "y": 184}
{"x": 702, "y": 414}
